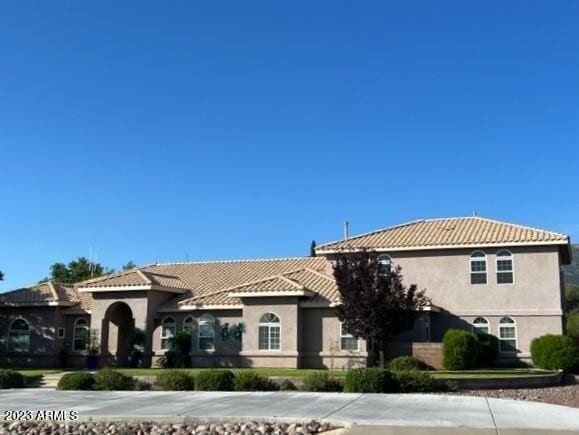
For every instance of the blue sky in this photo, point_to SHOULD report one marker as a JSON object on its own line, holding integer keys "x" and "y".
{"x": 166, "y": 131}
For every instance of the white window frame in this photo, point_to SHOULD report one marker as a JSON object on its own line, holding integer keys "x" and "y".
{"x": 269, "y": 326}
{"x": 206, "y": 319}
{"x": 473, "y": 259}
{"x": 166, "y": 324}
{"x": 476, "y": 327}
{"x": 384, "y": 260}
{"x": 19, "y": 331}
{"x": 346, "y": 335}
{"x": 501, "y": 339}
{"x": 512, "y": 271}
{"x": 188, "y": 323}
{"x": 85, "y": 327}
{"x": 60, "y": 333}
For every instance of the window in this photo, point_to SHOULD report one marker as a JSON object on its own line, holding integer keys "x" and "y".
{"x": 478, "y": 268}
{"x": 19, "y": 336}
{"x": 384, "y": 264}
{"x": 168, "y": 329}
{"x": 269, "y": 332}
{"x": 505, "y": 267}
{"x": 80, "y": 335}
{"x": 480, "y": 325}
{"x": 347, "y": 340}
{"x": 60, "y": 332}
{"x": 507, "y": 335}
{"x": 188, "y": 325}
{"x": 206, "y": 333}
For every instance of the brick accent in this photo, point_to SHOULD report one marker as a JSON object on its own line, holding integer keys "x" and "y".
{"x": 430, "y": 353}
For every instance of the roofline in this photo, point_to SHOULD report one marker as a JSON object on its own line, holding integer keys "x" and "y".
{"x": 242, "y": 260}
{"x": 117, "y": 288}
{"x": 38, "y": 304}
{"x": 265, "y": 294}
{"x": 435, "y": 247}
{"x": 201, "y": 307}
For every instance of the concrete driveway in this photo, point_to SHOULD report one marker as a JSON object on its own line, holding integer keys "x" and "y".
{"x": 394, "y": 410}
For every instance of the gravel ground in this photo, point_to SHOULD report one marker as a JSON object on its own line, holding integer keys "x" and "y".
{"x": 567, "y": 395}
{"x": 150, "y": 428}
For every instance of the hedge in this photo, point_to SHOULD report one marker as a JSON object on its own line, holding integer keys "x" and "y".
{"x": 369, "y": 380}
{"x": 11, "y": 379}
{"x": 414, "y": 381}
{"x": 175, "y": 380}
{"x": 321, "y": 382}
{"x": 112, "y": 380}
{"x": 488, "y": 349}
{"x": 76, "y": 381}
{"x": 251, "y": 381}
{"x": 406, "y": 363}
{"x": 460, "y": 350}
{"x": 214, "y": 380}
{"x": 555, "y": 352}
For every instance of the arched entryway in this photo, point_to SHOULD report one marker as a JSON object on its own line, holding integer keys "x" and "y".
{"x": 118, "y": 325}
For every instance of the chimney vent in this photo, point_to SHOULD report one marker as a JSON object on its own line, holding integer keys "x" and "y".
{"x": 346, "y": 230}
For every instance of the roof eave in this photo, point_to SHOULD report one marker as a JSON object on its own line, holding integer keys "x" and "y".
{"x": 123, "y": 288}
{"x": 265, "y": 294}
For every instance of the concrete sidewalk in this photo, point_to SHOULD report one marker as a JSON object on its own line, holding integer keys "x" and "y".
{"x": 403, "y": 413}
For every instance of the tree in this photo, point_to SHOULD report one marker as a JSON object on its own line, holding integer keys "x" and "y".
{"x": 1, "y": 276}
{"x": 313, "y": 249}
{"x": 571, "y": 297}
{"x": 130, "y": 265}
{"x": 375, "y": 304}
{"x": 77, "y": 270}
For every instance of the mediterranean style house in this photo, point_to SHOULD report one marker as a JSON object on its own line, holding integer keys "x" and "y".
{"x": 481, "y": 275}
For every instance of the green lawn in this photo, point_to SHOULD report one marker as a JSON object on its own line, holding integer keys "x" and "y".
{"x": 36, "y": 371}
{"x": 261, "y": 371}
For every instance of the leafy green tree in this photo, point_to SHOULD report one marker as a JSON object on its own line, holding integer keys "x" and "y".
{"x": 573, "y": 325}
{"x": 1, "y": 276}
{"x": 130, "y": 265}
{"x": 77, "y": 270}
{"x": 375, "y": 304}
{"x": 572, "y": 296}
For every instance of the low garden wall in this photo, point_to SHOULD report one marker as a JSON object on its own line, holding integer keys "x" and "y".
{"x": 534, "y": 381}
{"x": 430, "y": 353}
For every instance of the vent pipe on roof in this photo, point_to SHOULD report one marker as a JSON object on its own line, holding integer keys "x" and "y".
{"x": 346, "y": 229}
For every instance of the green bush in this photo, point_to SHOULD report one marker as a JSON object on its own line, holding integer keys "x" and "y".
{"x": 11, "y": 379}
{"x": 406, "y": 363}
{"x": 369, "y": 380}
{"x": 321, "y": 382}
{"x": 488, "y": 349}
{"x": 139, "y": 385}
{"x": 287, "y": 385}
{"x": 214, "y": 380}
{"x": 414, "y": 381}
{"x": 460, "y": 350}
{"x": 175, "y": 380}
{"x": 573, "y": 325}
{"x": 111, "y": 380}
{"x": 555, "y": 352}
{"x": 251, "y": 381}
{"x": 76, "y": 381}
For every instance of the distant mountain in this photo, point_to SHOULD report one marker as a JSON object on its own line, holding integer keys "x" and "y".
{"x": 572, "y": 271}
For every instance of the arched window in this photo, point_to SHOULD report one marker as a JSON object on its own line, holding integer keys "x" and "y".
{"x": 19, "y": 336}
{"x": 507, "y": 335}
{"x": 478, "y": 268}
{"x": 384, "y": 264}
{"x": 168, "y": 330}
{"x": 269, "y": 332}
{"x": 188, "y": 325}
{"x": 80, "y": 335}
{"x": 206, "y": 337}
{"x": 347, "y": 340}
{"x": 480, "y": 325}
{"x": 505, "y": 273}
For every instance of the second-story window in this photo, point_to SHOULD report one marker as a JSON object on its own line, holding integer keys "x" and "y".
{"x": 505, "y": 273}
{"x": 478, "y": 268}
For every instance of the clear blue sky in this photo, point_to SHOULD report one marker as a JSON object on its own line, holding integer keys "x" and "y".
{"x": 161, "y": 131}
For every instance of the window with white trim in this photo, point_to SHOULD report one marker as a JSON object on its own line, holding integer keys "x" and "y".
{"x": 19, "y": 336}
{"x": 507, "y": 335}
{"x": 478, "y": 268}
{"x": 168, "y": 330}
{"x": 188, "y": 325}
{"x": 206, "y": 333}
{"x": 347, "y": 340}
{"x": 505, "y": 273}
{"x": 80, "y": 335}
{"x": 384, "y": 264}
{"x": 269, "y": 332}
{"x": 480, "y": 325}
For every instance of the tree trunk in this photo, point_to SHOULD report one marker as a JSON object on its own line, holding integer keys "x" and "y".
{"x": 382, "y": 362}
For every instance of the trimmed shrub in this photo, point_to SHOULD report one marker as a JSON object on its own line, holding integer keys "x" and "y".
{"x": 460, "y": 350}
{"x": 76, "y": 381}
{"x": 369, "y": 380}
{"x": 214, "y": 380}
{"x": 110, "y": 380}
{"x": 488, "y": 349}
{"x": 414, "y": 381}
{"x": 287, "y": 385}
{"x": 555, "y": 352}
{"x": 11, "y": 379}
{"x": 175, "y": 380}
{"x": 321, "y": 382}
{"x": 251, "y": 381}
{"x": 406, "y": 363}
{"x": 139, "y": 385}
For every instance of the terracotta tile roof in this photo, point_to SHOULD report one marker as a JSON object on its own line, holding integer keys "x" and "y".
{"x": 446, "y": 233}
{"x": 41, "y": 293}
{"x": 268, "y": 285}
{"x": 133, "y": 277}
